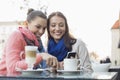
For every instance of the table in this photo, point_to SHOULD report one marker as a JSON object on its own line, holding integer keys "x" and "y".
{"x": 115, "y": 69}
{"x": 63, "y": 76}
{"x": 92, "y": 76}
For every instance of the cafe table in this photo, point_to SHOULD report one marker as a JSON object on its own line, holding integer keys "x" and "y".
{"x": 46, "y": 75}
{"x": 115, "y": 69}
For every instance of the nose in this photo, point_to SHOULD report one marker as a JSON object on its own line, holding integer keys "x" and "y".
{"x": 41, "y": 31}
{"x": 57, "y": 27}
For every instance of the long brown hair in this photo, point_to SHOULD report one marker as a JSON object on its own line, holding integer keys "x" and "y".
{"x": 68, "y": 39}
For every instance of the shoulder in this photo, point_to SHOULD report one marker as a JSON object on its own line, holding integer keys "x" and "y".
{"x": 80, "y": 42}
{"x": 15, "y": 36}
{"x": 79, "y": 45}
{"x": 16, "y": 33}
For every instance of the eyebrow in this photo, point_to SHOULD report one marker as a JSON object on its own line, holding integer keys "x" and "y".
{"x": 41, "y": 25}
{"x": 38, "y": 25}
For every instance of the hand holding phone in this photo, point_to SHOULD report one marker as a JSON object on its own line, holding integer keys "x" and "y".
{"x": 71, "y": 54}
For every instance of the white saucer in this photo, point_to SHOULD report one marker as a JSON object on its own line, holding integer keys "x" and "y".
{"x": 66, "y": 71}
{"x": 31, "y": 71}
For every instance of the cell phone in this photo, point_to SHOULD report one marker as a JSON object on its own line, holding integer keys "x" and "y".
{"x": 71, "y": 54}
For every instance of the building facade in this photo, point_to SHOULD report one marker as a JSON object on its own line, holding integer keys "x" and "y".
{"x": 115, "y": 50}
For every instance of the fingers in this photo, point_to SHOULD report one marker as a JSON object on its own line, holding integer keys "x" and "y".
{"x": 61, "y": 65}
{"x": 49, "y": 61}
{"x": 22, "y": 55}
{"x": 55, "y": 62}
{"x": 52, "y": 61}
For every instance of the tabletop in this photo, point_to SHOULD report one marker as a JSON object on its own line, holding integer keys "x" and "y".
{"x": 45, "y": 75}
{"x": 115, "y": 69}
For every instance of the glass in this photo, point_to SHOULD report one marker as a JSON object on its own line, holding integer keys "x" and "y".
{"x": 30, "y": 55}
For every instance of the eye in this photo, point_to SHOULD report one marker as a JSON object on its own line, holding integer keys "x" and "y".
{"x": 53, "y": 25}
{"x": 61, "y": 24}
{"x": 38, "y": 26}
{"x": 44, "y": 28}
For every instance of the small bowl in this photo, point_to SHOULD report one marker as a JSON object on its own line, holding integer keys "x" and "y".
{"x": 104, "y": 67}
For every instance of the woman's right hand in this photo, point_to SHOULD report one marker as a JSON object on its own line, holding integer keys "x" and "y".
{"x": 50, "y": 60}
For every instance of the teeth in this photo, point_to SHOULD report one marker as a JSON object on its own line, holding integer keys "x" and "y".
{"x": 57, "y": 33}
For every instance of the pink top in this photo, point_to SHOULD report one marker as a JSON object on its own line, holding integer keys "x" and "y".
{"x": 11, "y": 54}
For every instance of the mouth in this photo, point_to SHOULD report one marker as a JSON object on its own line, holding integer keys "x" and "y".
{"x": 58, "y": 33}
{"x": 38, "y": 36}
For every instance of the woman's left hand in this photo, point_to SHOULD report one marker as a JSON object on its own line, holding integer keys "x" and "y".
{"x": 61, "y": 65}
{"x": 22, "y": 55}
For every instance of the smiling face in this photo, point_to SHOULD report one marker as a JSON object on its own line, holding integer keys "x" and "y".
{"x": 57, "y": 28}
{"x": 38, "y": 26}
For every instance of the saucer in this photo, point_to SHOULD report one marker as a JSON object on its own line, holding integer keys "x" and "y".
{"x": 69, "y": 71}
{"x": 31, "y": 71}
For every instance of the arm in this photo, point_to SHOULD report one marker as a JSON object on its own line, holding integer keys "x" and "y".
{"x": 13, "y": 48}
{"x": 83, "y": 55}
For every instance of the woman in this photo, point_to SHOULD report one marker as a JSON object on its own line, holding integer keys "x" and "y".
{"x": 13, "y": 52}
{"x": 60, "y": 42}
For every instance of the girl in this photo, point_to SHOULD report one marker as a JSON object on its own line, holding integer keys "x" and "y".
{"x": 12, "y": 59}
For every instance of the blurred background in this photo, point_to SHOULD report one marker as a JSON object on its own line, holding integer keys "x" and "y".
{"x": 90, "y": 20}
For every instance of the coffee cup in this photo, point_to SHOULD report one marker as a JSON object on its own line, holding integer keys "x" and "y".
{"x": 30, "y": 55}
{"x": 71, "y": 64}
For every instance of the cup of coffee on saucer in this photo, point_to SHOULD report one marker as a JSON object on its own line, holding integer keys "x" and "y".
{"x": 71, "y": 64}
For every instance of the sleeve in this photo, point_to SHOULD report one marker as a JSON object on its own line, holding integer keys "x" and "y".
{"x": 84, "y": 57}
{"x": 13, "y": 48}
